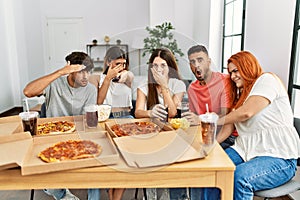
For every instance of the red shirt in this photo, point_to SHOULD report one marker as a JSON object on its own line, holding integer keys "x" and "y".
{"x": 216, "y": 93}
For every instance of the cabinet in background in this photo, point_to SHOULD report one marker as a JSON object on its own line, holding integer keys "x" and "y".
{"x": 97, "y": 53}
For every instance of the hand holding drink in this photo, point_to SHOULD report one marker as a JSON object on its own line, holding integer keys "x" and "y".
{"x": 160, "y": 112}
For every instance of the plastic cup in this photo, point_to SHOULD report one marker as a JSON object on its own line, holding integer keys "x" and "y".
{"x": 209, "y": 128}
{"x": 91, "y": 116}
{"x": 29, "y": 121}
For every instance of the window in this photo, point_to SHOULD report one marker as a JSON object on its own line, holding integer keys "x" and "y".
{"x": 233, "y": 29}
{"x": 294, "y": 77}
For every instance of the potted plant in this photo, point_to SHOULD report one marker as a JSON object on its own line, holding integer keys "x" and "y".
{"x": 161, "y": 36}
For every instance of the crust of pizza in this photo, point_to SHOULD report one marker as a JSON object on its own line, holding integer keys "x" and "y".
{"x": 55, "y": 127}
{"x": 70, "y": 150}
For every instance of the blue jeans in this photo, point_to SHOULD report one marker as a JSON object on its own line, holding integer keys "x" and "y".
{"x": 93, "y": 194}
{"x": 260, "y": 173}
{"x": 178, "y": 193}
{"x": 57, "y": 193}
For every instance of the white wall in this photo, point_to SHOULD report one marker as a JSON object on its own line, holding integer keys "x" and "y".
{"x": 6, "y": 83}
{"x": 191, "y": 21}
{"x": 116, "y": 18}
{"x": 216, "y": 33}
{"x": 269, "y": 30}
{"x": 12, "y": 48}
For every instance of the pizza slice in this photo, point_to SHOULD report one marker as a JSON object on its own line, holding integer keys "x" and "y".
{"x": 55, "y": 127}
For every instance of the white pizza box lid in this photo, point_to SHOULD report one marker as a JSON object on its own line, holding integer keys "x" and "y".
{"x": 21, "y": 150}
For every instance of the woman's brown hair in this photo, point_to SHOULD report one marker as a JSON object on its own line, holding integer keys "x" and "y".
{"x": 168, "y": 56}
{"x": 249, "y": 69}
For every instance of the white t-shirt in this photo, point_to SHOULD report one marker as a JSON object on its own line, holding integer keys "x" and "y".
{"x": 175, "y": 86}
{"x": 271, "y": 131}
{"x": 119, "y": 95}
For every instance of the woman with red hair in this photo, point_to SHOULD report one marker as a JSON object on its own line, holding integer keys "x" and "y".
{"x": 265, "y": 152}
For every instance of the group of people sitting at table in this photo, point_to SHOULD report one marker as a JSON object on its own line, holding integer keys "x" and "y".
{"x": 254, "y": 111}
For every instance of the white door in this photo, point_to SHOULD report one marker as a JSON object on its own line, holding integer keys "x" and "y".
{"x": 64, "y": 35}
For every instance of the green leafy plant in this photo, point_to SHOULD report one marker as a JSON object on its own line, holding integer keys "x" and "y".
{"x": 161, "y": 36}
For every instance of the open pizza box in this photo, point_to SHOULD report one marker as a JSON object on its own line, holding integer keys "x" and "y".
{"x": 22, "y": 149}
{"x": 163, "y": 148}
{"x": 12, "y": 127}
{"x": 79, "y": 122}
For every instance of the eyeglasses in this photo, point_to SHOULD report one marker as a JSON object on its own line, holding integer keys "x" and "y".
{"x": 156, "y": 66}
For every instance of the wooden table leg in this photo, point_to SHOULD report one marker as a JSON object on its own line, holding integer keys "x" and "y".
{"x": 225, "y": 183}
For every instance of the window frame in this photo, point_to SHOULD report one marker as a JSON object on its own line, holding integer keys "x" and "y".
{"x": 295, "y": 48}
{"x": 242, "y": 34}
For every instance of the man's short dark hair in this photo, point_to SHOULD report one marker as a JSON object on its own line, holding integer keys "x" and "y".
{"x": 80, "y": 58}
{"x": 197, "y": 48}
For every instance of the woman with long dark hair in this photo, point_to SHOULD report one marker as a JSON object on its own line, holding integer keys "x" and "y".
{"x": 114, "y": 84}
{"x": 164, "y": 88}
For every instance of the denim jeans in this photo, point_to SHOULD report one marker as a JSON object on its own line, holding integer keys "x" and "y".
{"x": 157, "y": 193}
{"x": 260, "y": 173}
{"x": 93, "y": 194}
{"x": 57, "y": 193}
{"x": 178, "y": 193}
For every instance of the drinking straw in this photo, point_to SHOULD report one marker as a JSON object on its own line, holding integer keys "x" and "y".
{"x": 207, "y": 110}
{"x": 26, "y": 103}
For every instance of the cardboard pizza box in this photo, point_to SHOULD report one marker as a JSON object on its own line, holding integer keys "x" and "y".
{"x": 10, "y": 128}
{"x": 79, "y": 121}
{"x": 163, "y": 148}
{"x": 13, "y": 148}
{"x": 10, "y": 125}
{"x": 33, "y": 165}
{"x": 22, "y": 150}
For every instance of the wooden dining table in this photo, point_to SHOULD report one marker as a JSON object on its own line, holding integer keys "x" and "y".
{"x": 215, "y": 170}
